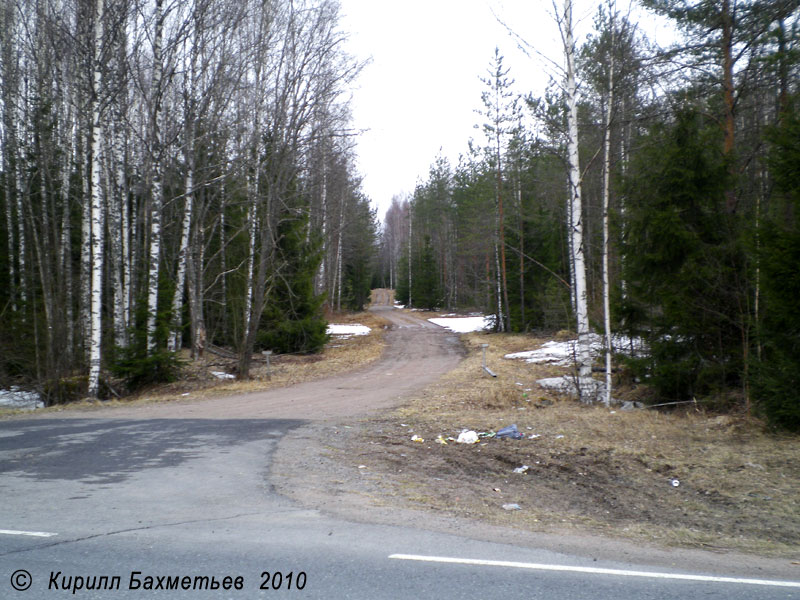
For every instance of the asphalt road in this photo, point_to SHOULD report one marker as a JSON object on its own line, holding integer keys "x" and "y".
{"x": 167, "y": 502}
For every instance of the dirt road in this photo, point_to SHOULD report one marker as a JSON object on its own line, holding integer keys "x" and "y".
{"x": 417, "y": 354}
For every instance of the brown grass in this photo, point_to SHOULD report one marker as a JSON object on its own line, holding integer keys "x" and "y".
{"x": 591, "y": 468}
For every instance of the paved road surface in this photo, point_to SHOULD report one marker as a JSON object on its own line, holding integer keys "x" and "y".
{"x": 172, "y": 492}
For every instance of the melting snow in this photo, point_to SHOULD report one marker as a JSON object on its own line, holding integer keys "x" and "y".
{"x": 334, "y": 329}
{"x": 567, "y": 385}
{"x": 463, "y": 324}
{"x": 222, "y": 375}
{"x": 20, "y": 399}
{"x": 562, "y": 353}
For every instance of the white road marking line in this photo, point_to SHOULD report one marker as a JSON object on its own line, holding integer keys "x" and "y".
{"x": 28, "y": 533}
{"x": 594, "y": 570}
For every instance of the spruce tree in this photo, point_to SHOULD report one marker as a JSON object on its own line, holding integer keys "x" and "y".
{"x": 684, "y": 262}
{"x": 292, "y": 321}
{"x": 777, "y": 374}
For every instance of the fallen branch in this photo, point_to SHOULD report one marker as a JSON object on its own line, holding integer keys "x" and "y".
{"x": 221, "y": 352}
{"x": 692, "y": 401}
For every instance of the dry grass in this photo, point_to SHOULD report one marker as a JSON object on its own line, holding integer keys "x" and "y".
{"x": 591, "y": 468}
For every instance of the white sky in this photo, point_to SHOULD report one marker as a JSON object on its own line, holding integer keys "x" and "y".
{"x": 420, "y": 92}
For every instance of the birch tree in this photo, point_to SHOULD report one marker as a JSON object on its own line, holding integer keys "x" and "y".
{"x": 97, "y": 215}
{"x": 606, "y": 203}
{"x": 157, "y": 185}
{"x": 575, "y": 209}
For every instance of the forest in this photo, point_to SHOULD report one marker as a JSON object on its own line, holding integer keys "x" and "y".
{"x": 182, "y": 175}
{"x": 175, "y": 174}
{"x": 648, "y": 192}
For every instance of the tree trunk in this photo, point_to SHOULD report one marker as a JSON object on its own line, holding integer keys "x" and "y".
{"x": 584, "y": 360}
{"x": 728, "y": 99}
{"x": 96, "y": 216}
{"x": 606, "y": 242}
{"x": 157, "y": 190}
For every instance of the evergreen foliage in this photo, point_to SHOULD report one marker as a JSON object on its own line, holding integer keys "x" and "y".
{"x": 139, "y": 368}
{"x": 293, "y": 320}
{"x": 776, "y": 381}
{"x": 402, "y": 289}
{"x": 359, "y": 255}
{"x": 683, "y": 262}
{"x": 425, "y": 291}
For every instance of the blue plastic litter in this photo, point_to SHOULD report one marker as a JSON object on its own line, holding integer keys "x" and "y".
{"x": 510, "y": 432}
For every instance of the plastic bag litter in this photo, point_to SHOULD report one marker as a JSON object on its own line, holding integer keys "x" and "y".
{"x": 510, "y": 432}
{"x": 512, "y": 507}
{"x": 521, "y": 469}
{"x": 416, "y": 438}
{"x": 467, "y": 437}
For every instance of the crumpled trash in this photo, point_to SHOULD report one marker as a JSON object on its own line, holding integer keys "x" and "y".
{"x": 512, "y": 507}
{"x": 521, "y": 469}
{"x": 628, "y": 405}
{"x": 467, "y": 437}
{"x": 441, "y": 440}
{"x": 510, "y": 432}
{"x": 674, "y": 482}
{"x": 416, "y": 438}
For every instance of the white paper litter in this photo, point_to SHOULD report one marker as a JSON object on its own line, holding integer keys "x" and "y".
{"x": 467, "y": 437}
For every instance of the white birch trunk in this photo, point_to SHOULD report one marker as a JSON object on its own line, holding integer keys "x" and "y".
{"x": 118, "y": 208}
{"x": 11, "y": 247}
{"x": 321, "y": 285}
{"x": 606, "y": 241}
{"x": 157, "y": 198}
{"x": 251, "y": 227}
{"x": 21, "y": 248}
{"x": 65, "y": 255}
{"x": 409, "y": 255}
{"x": 174, "y": 342}
{"x": 339, "y": 259}
{"x": 584, "y": 359}
{"x": 177, "y": 299}
{"x": 96, "y": 216}
{"x": 501, "y": 319}
{"x": 118, "y": 233}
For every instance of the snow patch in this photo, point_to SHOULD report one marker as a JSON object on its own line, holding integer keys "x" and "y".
{"x": 348, "y": 330}
{"x": 464, "y": 324}
{"x": 562, "y": 354}
{"x": 222, "y": 375}
{"x": 567, "y": 385}
{"x": 20, "y": 399}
